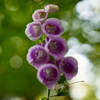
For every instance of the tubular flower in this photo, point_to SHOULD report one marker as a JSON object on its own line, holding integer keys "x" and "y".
{"x": 51, "y": 8}
{"x": 40, "y": 15}
{"x": 34, "y": 31}
{"x": 53, "y": 27}
{"x": 69, "y": 67}
{"x": 56, "y": 47}
{"x": 37, "y": 56}
{"x": 48, "y": 74}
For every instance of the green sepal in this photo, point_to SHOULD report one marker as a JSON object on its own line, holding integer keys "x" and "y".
{"x": 62, "y": 79}
{"x": 62, "y": 91}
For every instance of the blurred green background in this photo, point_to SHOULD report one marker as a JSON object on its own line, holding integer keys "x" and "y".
{"x": 81, "y": 21}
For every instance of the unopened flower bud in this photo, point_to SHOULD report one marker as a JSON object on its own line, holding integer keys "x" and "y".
{"x": 51, "y": 8}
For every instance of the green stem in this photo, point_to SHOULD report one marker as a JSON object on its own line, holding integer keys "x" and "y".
{"x": 53, "y": 96}
{"x": 48, "y": 90}
{"x": 76, "y": 82}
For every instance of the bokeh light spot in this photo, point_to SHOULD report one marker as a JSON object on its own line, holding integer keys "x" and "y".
{"x": 98, "y": 82}
{"x": 17, "y": 40}
{"x": 16, "y": 61}
{"x": 10, "y": 5}
{"x": 97, "y": 93}
{"x": 75, "y": 25}
{"x": 65, "y": 24}
{"x": 86, "y": 28}
{"x": 78, "y": 91}
{"x": 86, "y": 48}
{"x": 17, "y": 98}
{"x": 17, "y": 16}
{"x": 2, "y": 68}
{"x": 85, "y": 15}
{"x": 94, "y": 37}
{"x": 82, "y": 6}
{"x": 72, "y": 42}
{"x": 0, "y": 50}
{"x": 1, "y": 16}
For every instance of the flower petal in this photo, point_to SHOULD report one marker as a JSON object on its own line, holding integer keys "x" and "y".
{"x": 37, "y": 56}
{"x": 56, "y": 47}
{"x": 34, "y": 31}
{"x": 48, "y": 74}
{"x": 41, "y": 44}
{"x": 40, "y": 15}
{"x": 53, "y": 27}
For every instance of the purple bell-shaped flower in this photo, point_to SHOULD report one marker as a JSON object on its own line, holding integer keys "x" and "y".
{"x": 56, "y": 47}
{"x": 40, "y": 15}
{"x": 37, "y": 56}
{"x": 69, "y": 67}
{"x": 53, "y": 27}
{"x": 34, "y": 31}
{"x": 48, "y": 74}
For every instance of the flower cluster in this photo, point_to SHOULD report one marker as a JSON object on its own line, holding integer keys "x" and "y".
{"x": 48, "y": 57}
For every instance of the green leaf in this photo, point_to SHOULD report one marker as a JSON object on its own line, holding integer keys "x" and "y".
{"x": 44, "y": 98}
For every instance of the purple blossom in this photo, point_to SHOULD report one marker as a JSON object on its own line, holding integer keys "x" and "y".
{"x": 37, "y": 56}
{"x": 51, "y": 62}
{"x": 34, "y": 31}
{"x": 56, "y": 47}
{"x": 48, "y": 74}
{"x": 69, "y": 67}
{"x": 46, "y": 39}
{"x": 58, "y": 61}
{"x": 40, "y": 15}
{"x": 41, "y": 44}
{"x": 51, "y": 8}
{"x": 53, "y": 27}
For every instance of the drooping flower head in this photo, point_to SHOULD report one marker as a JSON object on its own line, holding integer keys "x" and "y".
{"x": 48, "y": 74}
{"x": 51, "y": 8}
{"x": 40, "y": 15}
{"x": 69, "y": 67}
{"x": 34, "y": 31}
{"x": 56, "y": 47}
{"x": 37, "y": 56}
{"x": 53, "y": 27}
